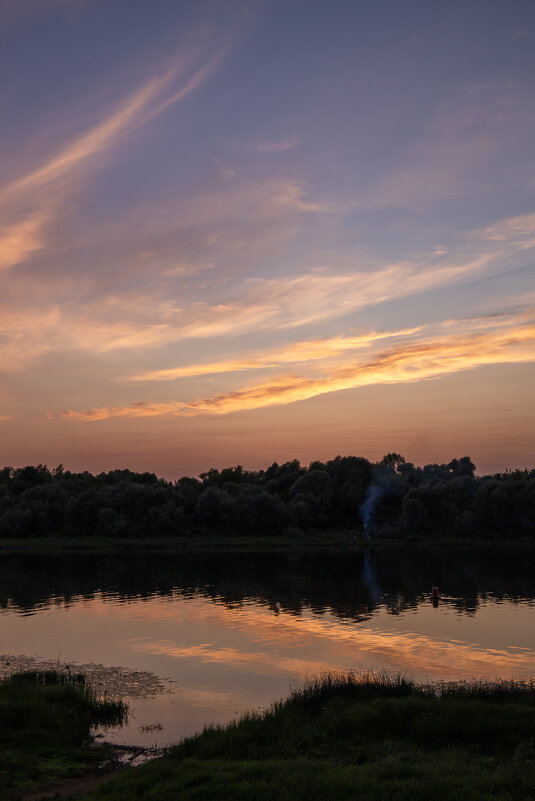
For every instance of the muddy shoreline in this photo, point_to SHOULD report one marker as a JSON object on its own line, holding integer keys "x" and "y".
{"x": 116, "y": 759}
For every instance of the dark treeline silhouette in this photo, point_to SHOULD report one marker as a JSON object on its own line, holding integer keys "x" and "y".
{"x": 389, "y": 498}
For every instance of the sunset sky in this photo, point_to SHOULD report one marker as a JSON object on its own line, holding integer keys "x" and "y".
{"x": 245, "y": 232}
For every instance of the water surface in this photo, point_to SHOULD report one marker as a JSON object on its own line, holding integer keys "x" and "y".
{"x": 229, "y": 632}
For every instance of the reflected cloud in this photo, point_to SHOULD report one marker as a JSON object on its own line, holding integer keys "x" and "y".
{"x": 308, "y": 644}
{"x": 359, "y": 647}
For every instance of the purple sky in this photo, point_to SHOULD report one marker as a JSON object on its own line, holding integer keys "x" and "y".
{"x": 239, "y": 232}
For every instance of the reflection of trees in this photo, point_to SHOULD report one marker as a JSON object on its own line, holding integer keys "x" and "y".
{"x": 286, "y": 583}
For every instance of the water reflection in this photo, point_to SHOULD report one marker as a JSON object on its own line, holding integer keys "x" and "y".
{"x": 230, "y": 629}
{"x": 351, "y": 585}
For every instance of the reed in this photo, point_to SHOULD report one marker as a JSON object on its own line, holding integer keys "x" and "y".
{"x": 345, "y": 735}
{"x": 45, "y": 723}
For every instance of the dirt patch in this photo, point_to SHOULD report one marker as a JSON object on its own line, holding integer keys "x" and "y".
{"x": 70, "y": 788}
{"x": 118, "y": 759}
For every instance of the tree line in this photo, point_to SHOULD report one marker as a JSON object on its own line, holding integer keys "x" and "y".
{"x": 387, "y": 498}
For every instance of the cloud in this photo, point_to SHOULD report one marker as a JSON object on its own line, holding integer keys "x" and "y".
{"x": 20, "y": 239}
{"x": 37, "y": 314}
{"x": 463, "y": 149}
{"x": 293, "y": 353}
{"x": 290, "y": 302}
{"x": 16, "y": 10}
{"x": 404, "y": 363}
{"x": 517, "y": 232}
{"x": 253, "y": 201}
{"x": 132, "y": 112}
{"x": 149, "y": 317}
{"x": 96, "y": 139}
{"x": 39, "y": 196}
{"x": 266, "y": 304}
{"x": 327, "y": 348}
{"x": 278, "y": 145}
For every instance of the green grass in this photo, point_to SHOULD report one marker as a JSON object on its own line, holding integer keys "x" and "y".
{"x": 45, "y": 723}
{"x": 344, "y": 737}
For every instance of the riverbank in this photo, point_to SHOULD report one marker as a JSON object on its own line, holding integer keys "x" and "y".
{"x": 344, "y": 737}
{"x": 45, "y": 724}
{"x": 336, "y": 541}
{"x": 177, "y": 545}
{"x": 340, "y": 736}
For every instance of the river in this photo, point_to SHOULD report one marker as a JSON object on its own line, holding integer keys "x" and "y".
{"x": 221, "y": 634}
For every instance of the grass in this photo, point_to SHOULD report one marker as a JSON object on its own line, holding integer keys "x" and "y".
{"x": 338, "y": 541}
{"x": 45, "y": 723}
{"x": 348, "y": 736}
{"x": 183, "y": 544}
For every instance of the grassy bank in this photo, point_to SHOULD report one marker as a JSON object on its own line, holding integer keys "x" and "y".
{"x": 346, "y": 737}
{"x": 45, "y": 723}
{"x": 189, "y": 544}
{"x": 336, "y": 541}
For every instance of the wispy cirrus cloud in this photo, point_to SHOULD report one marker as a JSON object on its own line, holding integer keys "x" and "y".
{"x": 98, "y": 138}
{"x": 29, "y": 203}
{"x": 451, "y": 156}
{"x": 328, "y": 348}
{"x": 290, "y": 302}
{"x": 149, "y": 321}
{"x": 290, "y": 354}
{"x": 150, "y": 317}
{"x": 404, "y": 363}
{"x": 516, "y": 232}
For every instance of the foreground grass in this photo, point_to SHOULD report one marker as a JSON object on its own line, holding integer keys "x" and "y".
{"x": 45, "y": 722}
{"x": 346, "y": 737}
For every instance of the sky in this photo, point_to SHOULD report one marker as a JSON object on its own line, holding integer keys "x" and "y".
{"x": 246, "y": 231}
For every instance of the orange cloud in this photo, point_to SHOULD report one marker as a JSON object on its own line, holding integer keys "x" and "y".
{"x": 416, "y": 361}
{"x": 20, "y": 239}
{"x": 318, "y": 349}
{"x": 289, "y": 302}
{"x": 295, "y": 352}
